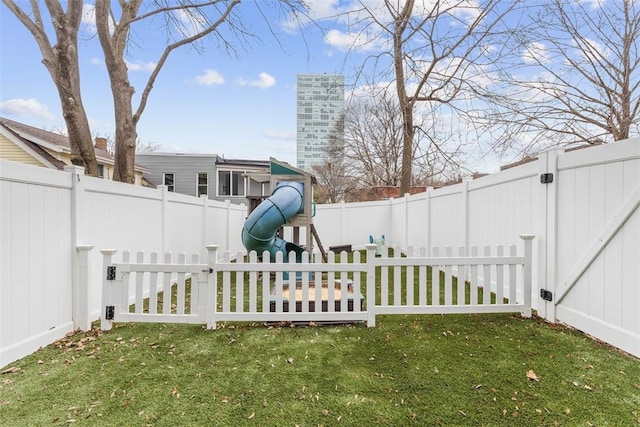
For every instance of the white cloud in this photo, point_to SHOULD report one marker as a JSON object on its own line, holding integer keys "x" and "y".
{"x": 323, "y": 8}
{"x": 535, "y": 53}
{"x": 25, "y": 107}
{"x": 190, "y": 23}
{"x": 210, "y": 78}
{"x": 340, "y": 40}
{"x": 593, "y": 4}
{"x": 353, "y": 41}
{"x": 316, "y": 10}
{"x": 592, "y": 50}
{"x": 467, "y": 11}
{"x": 131, "y": 66}
{"x": 359, "y": 19}
{"x": 265, "y": 81}
{"x": 89, "y": 17}
{"x": 89, "y": 20}
{"x": 141, "y": 66}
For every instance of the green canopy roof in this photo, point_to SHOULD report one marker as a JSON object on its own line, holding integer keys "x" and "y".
{"x": 282, "y": 168}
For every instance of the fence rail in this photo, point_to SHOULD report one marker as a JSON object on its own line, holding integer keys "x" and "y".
{"x": 352, "y": 288}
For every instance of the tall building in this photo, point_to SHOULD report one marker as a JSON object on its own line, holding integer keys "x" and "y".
{"x": 320, "y": 107}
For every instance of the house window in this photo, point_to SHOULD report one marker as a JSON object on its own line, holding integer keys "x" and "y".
{"x": 168, "y": 179}
{"x": 100, "y": 171}
{"x": 230, "y": 183}
{"x": 202, "y": 184}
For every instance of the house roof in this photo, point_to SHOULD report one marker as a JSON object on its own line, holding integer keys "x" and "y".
{"x": 157, "y": 153}
{"x": 243, "y": 162}
{"x": 33, "y": 149}
{"x": 40, "y": 140}
{"x": 218, "y": 159}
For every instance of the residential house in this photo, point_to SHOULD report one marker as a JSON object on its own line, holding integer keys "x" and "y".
{"x": 205, "y": 174}
{"x": 34, "y": 146}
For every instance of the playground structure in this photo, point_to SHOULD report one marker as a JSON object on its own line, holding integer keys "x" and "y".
{"x": 289, "y": 205}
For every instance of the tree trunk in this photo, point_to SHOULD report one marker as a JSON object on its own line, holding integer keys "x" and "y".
{"x": 67, "y": 78}
{"x": 126, "y": 134}
{"x": 113, "y": 46}
{"x": 61, "y": 61}
{"x": 407, "y": 148}
{"x": 406, "y": 104}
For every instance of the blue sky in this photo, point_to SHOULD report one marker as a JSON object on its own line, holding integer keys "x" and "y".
{"x": 239, "y": 105}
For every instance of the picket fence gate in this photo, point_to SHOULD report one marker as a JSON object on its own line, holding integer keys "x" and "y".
{"x": 237, "y": 289}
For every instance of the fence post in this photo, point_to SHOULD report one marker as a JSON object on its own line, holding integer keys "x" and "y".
{"x": 466, "y": 211}
{"x": 78, "y": 228}
{"x": 164, "y": 203}
{"x": 204, "y": 233}
{"x": 427, "y": 219}
{"x": 80, "y": 291}
{"x": 371, "y": 285}
{"x": 342, "y": 239}
{"x": 550, "y": 244}
{"x": 227, "y": 204}
{"x": 212, "y": 286}
{"x": 528, "y": 239}
{"x": 406, "y": 220}
{"x": 107, "y": 289}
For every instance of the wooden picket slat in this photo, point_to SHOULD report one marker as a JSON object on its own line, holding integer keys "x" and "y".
{"x": 253, "y": 283}
{"x": 410, "y": 283}
{"x": 512, "y": 277}
{"x": 139, "y": 284}
{"x": 166, "y": 286}
{"x": 448, "y": 279}
{"x": 181, "y": 287}
{"x": 435, "y": 280}
{"x": 239, "y": 285}
{"x": 422, "y": 298}
{"x": 486, "y": 279}
{"x": 499, "y": 277}
{"x": 153, "y": 285}
{"x": 462, "y": 274}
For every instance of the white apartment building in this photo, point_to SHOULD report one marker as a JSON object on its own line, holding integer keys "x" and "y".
{"x": 320, "y": 107}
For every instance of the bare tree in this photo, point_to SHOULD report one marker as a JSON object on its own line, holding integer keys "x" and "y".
{"x": 141, "y": 147}
{"x": 114, "y": 38}
{"x": 61, "y": 61}
{"x": 334, "y": 182}
{"x": 438, "y": 51}
{"x": 366, "y": 154}
{"x": 373, "y": 140}
{"x": 586, "y": 86}
{"x": 187, "y": 22}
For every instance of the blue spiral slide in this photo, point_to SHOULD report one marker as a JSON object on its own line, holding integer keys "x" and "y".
{"x": 259, "y": 231}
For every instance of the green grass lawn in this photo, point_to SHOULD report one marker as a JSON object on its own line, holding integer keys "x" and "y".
{"x": 408, "y": 370}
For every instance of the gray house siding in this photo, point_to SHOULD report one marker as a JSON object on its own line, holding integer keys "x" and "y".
{"x": 186, "y": 167}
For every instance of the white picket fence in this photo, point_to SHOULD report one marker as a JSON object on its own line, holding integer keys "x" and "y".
{"x": 353, "y": 290}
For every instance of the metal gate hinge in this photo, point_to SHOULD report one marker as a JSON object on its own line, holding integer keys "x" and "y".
{"x": 546, "y": 295}
{"x": 111, "y": 272}
{"x": 109, "y": 312}
{"x": 546, "y": 178}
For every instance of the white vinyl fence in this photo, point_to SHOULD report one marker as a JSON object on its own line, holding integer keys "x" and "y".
{"x": 313, "y": 291}
{"x": 584, "y": 216}
{"x": 54, "y": 224}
